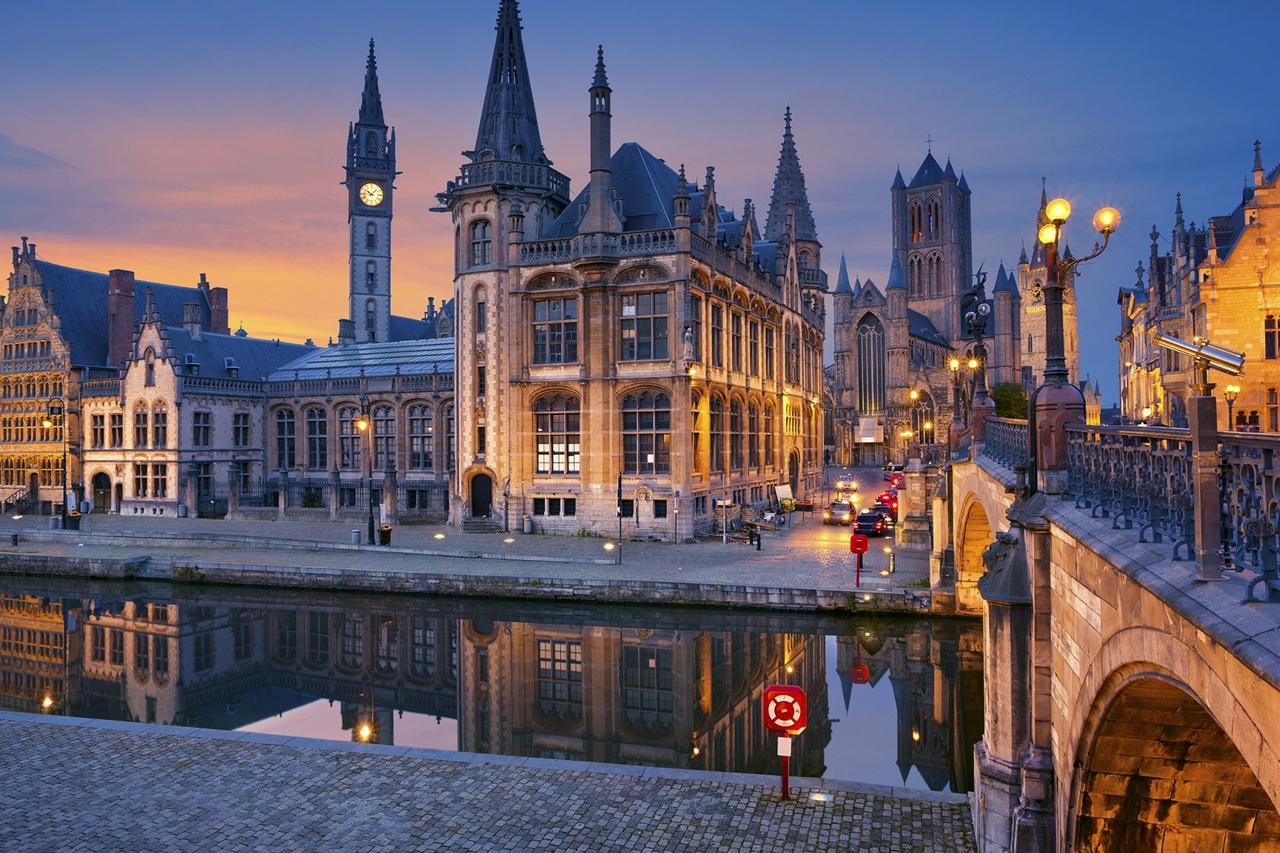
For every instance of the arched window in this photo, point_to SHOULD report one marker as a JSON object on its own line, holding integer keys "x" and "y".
{"x": 934, "y": 219}
{"x": 351, "y": 653}
{"x": 371, "y": 319}
{"x": 482, "y": 313}
{"x": 922, "y": 418}
{"x": 384, "y": 437}
{"x": 1030, "y": 344}
{"x": 317, "y": 439}
{"x": 935, "y": 275}
{"x": 421, "y": 438}
{"x": 1272, "y": 337}
{"x": 917, "y": 229}
{"x": 350, "y": 440}
{"x": 481, "y": 243}
{"x": 141, "y": 426}
{"x": 802, "y": 260}
{"x": 370, "y": 237}
{"x": 735, "y": 436}
{"x": 370, "y": 276}
{"x": 646, "y": 433}
{"x": 871, "y": 366}
{"x": 450, "y": 448}
{"x": 286, "y": 449}
{"x": 159, "y": 425}
{"x": 767, "y": 434}
{"x": 558, "y": 442}
{"x": 716, "y": 429}
{"x": 1273, "y": 411}
{"x": 150, "y": 368}
{"x": 753, "y": 436}
{"x": 370, "y": 144}
{"x": 695, "y": 429}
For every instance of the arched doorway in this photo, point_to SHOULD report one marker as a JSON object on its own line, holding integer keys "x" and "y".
{"x": 1191, "y": 783}
{"x": 793, "y": 473}
{"x": 118, "y": 504}
{"x": 101, "y": 492}
{"x": 33, "y": 489}
{"x": 975, "y": 537}
{"x": 481, "y": 495}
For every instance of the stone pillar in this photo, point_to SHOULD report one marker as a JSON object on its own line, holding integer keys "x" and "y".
{"x": 282, "y": 496}
{"x": 390, "y": 494}
{"x": 1202, "y": 416}
{"x": 913, "y": 533}
{"x": 335, "y": 483}
{"x": 1005, "y": 590}
{"x": 191, "y": 491}
{"x": 233, "y": 490}
{"x": 982, "y": 408}
{"x": 1053, "y": 407}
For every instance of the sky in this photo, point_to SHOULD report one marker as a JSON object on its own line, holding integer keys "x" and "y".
{"x": 180, "y": 138}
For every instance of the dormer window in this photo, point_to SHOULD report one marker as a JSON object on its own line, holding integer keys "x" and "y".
{"x": 229, "y": 365}
{"x": 150, "y": 368}
{"x": 192, "y": 366}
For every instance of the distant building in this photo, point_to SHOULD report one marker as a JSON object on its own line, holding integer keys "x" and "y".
{"x": 640, "y": 330}
{"x": 63, "y": 329}
{"x": 1213, "y": 282}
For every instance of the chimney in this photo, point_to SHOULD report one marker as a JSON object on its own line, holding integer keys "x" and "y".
{"x": 120, "y": 316}
{"x": 346, "y": 331}
{"x": 219, "y": 321}
{"x": 191, "y": 319}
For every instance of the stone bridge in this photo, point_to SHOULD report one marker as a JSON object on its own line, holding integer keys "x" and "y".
{"x": 1132, "y": 703}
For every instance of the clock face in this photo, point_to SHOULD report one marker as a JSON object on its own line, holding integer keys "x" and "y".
{"x": 371, "y": 195}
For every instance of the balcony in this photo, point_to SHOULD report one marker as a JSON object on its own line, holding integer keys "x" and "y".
{"x": 513, "y": 174}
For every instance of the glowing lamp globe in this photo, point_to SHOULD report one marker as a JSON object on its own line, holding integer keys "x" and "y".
{"x": 1106, "y": 220}
{"x": 1048, "y": 234}
{"x": 1058, "y": 210}
{"x": 954, "y": 364}
{"x": 973, "y": 364}
{"x": 915, "y": 395}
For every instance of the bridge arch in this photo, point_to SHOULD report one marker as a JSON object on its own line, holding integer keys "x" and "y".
{"x": 974, "y": 534}
{"x": 1166, "y": 753}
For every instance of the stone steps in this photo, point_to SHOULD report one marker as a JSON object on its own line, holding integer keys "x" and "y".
{"x": 480, "y": 525}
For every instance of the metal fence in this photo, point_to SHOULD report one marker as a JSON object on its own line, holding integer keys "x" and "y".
{"x": 1006, "y": 441}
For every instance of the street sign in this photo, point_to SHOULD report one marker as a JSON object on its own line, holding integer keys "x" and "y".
{"x": 785, "y": 709}
{"x": 859, "y": 543}
{"x": 861, "y": 673}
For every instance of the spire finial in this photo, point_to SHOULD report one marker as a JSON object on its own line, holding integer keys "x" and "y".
{"x": 789, "y": 189}
{"x": 928, "y": 141}
{"x": 371, "y": 98}
{"x": 601, "y": 79}
{"x": 508, "y": 121}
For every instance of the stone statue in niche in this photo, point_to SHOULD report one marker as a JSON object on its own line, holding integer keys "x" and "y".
{"x": 687, "y": 355}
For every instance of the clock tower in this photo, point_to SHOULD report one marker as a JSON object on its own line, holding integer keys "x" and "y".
{"x": 371, "y": 169}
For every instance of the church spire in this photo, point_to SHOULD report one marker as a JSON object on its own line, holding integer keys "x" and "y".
{"x": 788, "y": 189}
{"x": 508, "y": 121}
{"x": 371, "y": 98}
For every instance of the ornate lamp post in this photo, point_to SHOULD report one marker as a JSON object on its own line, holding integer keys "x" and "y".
{"x": 1231, "y": 394}
{"x": 1057, "y": 402}
{"x": 364, "y": 425}
{"x": 976, "y": 318}
{"x": 1146, "y": 416}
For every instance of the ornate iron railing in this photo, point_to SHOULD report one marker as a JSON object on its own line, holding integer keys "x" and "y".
{"x": 1249, "y": 489}
{"x": 1005, "y": 441}
{"x": 1135, "y": 475}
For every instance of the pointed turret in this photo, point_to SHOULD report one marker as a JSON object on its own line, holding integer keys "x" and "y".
{"x": 949, "y": 173}
{"x": 896, "y": 280}
{"x": 857, "y": 288}
{"x": 842, "y": 280}
{"x": 371, "y": 98}
{"x": 602, "y": 215}
{"x": 1022, "y": 257}
{"x": 964, "y": 184}
{"x": 898, "y": 183}
{"x": 508, "y": 120}
{"x": 789, "y": 188}
{"x": 1004, "y": 281}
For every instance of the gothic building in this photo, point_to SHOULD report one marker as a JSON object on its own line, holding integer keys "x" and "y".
{"x": 1214, "y": 281}
{"x": 637, "y": 349}
{"x": 893, "y": 347}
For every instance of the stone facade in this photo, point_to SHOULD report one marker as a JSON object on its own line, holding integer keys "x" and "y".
{"x": 639, "y": 350}
{"x": 1218, "y": 283}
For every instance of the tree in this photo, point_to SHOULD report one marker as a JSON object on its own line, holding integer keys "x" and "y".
{"x": 1011, "y": 400}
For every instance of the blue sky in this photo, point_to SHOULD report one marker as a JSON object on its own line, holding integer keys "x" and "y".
{"x": 175, "y": 138}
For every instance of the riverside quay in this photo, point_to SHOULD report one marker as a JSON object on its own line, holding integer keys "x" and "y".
{"x": 749, "y": 455}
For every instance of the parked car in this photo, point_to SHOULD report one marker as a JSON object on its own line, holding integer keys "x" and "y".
{"x": 871, "y": 523}
{"x": 839, "y": 512}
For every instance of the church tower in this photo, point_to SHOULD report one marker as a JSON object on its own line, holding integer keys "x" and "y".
{"x": 371, "y": 170}
{"x": 933, "y": 242}
{"x": 507, "y": 193}
{"x": 1033, "y": 333}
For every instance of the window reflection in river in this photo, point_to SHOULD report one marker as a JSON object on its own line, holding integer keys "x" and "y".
{"x": 891, "y": 700}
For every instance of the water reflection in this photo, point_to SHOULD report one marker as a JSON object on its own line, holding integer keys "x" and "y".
{"x": 636, "y": 686}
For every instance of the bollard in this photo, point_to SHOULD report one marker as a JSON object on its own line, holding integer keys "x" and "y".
{"x": 355, "y": 537}
{"x": 54, "y": 522}
{"x": 759, "y": 536}
{"x": 13, "y": 539}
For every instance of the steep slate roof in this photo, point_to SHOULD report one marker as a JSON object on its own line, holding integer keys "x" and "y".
{"x": 842, "y": 281}
{"x": 645, "y": 185}
{"x": 898, "y": 183}
{"x": 255, "y": 358}
{"x": 1005, "y": 282}
{"x": 896, "y": 279}
{"x": 419, "y": 328}
{"x": 922, "y": 327}
{"x": 508, "y": 121}
{"x": 928, "y": 173}
{"x": 788, "y": 188}
{"x": 376, "y": 359}
{"x": 79, "y": 298}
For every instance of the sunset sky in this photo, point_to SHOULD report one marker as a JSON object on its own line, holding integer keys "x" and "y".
{"x": 174, "y": 138}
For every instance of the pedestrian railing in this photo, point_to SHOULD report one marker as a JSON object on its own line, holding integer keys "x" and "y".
{"x": 1006, "y": 441}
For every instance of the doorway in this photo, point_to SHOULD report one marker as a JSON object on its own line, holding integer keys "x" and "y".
{"x": 481, "y": 495}
{"x": 793, "y": 476}
{"x": 101, "y": 493}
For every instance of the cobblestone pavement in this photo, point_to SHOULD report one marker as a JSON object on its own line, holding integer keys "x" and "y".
{"x": 809, "y": 555}
{"x": 89, "y": 785}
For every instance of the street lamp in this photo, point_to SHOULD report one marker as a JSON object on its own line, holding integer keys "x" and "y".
{"x": 1146, "y": 415}
{"x": 364, "y": 426}
{"x": 56, "y": 413}
{"x": 1230, "y": 395}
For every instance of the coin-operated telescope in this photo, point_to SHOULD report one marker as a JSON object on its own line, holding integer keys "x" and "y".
{"x": 1204, "y": 356}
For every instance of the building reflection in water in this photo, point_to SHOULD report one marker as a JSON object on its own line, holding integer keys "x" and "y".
{"x": 685, "y": 694}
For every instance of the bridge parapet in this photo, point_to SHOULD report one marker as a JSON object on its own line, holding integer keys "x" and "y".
{"x": 1006, "y": 441}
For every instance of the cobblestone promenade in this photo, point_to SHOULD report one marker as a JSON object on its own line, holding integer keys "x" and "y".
{"x": 91, "y": 785}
